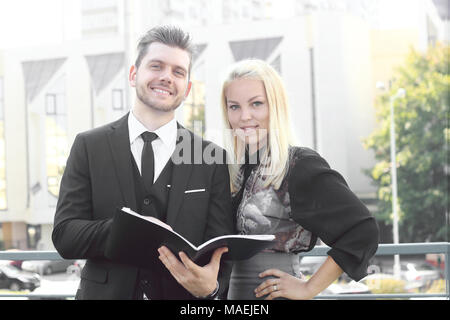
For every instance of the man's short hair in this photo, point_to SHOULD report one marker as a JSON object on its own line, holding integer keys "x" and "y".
{"x": 169, "y": 35}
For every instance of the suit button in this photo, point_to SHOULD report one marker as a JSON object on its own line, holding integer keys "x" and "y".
{"x": 146, "y": 201}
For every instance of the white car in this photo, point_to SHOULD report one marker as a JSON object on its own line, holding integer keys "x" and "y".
{"x": 352, "y": 287}
{"x": 418, "y": 275}
{"x": 310, "y": 264}
{"x": 46, "y": 267}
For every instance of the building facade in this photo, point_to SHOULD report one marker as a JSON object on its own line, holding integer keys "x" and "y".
{"x": 330, "y": 56}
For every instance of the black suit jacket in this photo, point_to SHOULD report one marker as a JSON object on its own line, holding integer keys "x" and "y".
{"x": 98, "y": 178}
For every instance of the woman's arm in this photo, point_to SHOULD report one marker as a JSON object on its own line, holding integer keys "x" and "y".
{"x": 323, "y": 203}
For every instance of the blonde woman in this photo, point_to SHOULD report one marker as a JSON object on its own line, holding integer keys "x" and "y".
{"x": 291, "y": 192}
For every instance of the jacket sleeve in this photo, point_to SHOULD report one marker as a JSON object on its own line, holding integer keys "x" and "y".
{"x": 322, "y": 203}
{"x": 220, "y": 220}
{"x": 76, "y": 235}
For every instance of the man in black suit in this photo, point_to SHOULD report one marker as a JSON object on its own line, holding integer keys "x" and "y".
{"x": 105, "y": 171}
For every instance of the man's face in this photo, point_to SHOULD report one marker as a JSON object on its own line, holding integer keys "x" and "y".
{"x": 161, "y": 81}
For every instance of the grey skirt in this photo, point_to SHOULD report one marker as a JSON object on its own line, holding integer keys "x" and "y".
{"x": 244, "y": 276}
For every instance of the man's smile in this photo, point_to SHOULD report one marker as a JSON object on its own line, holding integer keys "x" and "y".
{"x": 161, "y": 91}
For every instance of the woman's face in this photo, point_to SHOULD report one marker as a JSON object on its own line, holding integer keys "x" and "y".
{"x": 248, "y": 110}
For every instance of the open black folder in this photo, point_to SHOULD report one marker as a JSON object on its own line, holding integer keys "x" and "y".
{"x": 135, "y": 239}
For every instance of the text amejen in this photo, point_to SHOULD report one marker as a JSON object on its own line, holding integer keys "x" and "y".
{"x": 247, "y": 309}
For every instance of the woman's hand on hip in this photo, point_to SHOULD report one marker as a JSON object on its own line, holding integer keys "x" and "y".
{"x": 283, "y": 285}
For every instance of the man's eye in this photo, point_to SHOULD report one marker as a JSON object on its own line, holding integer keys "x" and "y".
{"x": 180, "y": 73}
{"x": 155, "y": 66}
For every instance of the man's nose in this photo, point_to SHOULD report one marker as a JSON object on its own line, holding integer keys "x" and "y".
{"x": 166, "y": 76}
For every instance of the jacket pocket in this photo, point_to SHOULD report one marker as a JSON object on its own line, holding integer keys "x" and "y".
{"x": 195, "y": 191}
{"x": 94, "y": 273}
{"x": 196, "y": 195}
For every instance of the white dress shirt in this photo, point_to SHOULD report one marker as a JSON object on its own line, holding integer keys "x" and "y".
{"x": 163, "y": 146}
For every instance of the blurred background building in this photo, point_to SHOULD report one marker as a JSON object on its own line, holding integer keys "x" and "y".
{"x": 331, "y": 53}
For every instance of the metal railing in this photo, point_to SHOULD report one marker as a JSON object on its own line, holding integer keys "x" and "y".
{"x": 383, "y": 250}
{"x": 401, "y": 249}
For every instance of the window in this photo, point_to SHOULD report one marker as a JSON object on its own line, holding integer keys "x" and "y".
{"x": 33, "y": 235}
{"x": 100, "y": 17}
{"x": 2, "y": 241}
{"x": 56, "y": 140}
{"x": 117, "y": 99}
{"x": 194, "y": 108}
{"x": 50, "y": 104}
{"x": 3, "y": 201}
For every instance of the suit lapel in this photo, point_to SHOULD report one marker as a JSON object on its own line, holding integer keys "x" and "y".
{"x": 120, "y": 148}
{"x": 180, "y": 175}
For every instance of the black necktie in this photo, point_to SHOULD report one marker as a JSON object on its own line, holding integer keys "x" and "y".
{"x": 147, "y": 159}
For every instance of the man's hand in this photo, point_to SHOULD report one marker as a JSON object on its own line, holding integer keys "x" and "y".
{"x": 199, "y": 281}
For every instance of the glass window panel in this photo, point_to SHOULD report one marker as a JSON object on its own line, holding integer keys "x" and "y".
{"x": 194, "y": 108}
{"x": 60, "y": 106}
{"x": 50, "y": 104}
{"x": 56, "y": 143}
{"x": 3, "y": 200}
{"x": 117, "y": 99}
{"x": 1, "y": 98}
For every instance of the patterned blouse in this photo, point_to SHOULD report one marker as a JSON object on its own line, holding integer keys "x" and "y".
{"x": 313, "y": 201}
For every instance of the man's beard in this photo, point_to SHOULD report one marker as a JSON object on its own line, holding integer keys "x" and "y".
{"x": 157, "y": 106}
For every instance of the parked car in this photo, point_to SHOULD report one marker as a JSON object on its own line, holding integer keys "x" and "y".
{"x": 14, "y": 279}
{"x": 310, "y": 264}
{"x": 351, "y": 287}
{"x": 15, "y": 263}
{"x": 419, "y": 274}
{"x": 45, "y": 267}
{"x": 384, "y": 283}
{"x": 76, "y": 267}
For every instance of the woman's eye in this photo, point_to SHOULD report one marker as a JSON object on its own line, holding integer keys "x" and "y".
{"x": 233, "y": 107}
{"x": 257, "y": 103}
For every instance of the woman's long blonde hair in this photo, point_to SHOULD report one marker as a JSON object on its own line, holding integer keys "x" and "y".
{"x": 276, "y": 155}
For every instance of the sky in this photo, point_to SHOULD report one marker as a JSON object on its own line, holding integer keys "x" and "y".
{"x": 30, "y": 22}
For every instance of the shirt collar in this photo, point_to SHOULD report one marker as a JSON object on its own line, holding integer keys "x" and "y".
{"x": 167, "y": 133}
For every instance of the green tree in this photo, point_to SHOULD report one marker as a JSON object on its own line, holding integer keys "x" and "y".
{"x": 422, "y": 143}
